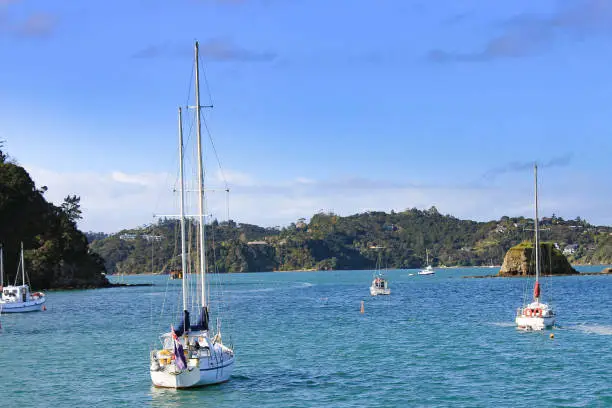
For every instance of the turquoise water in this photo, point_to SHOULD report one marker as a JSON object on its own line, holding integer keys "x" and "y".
{"x": 300, "y": 341}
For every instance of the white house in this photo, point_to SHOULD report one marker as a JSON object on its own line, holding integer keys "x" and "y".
{"x": 570, "y": 249}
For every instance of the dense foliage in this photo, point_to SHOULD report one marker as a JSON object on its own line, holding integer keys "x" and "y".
{"x": 329, "y": 241}
{"x": 56, "y": 252}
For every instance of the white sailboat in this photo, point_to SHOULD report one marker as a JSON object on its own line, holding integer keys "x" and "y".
{"x": 191, "y": 356}
{"x": 428, "y": 270}
{"x": 380, "y": 285}
{"x": 535, "y": 315}
{"x": 17, "y": 298}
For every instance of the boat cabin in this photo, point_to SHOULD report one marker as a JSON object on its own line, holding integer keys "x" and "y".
{"x": 15, "y": 293}
{"x": 380, "y": 283}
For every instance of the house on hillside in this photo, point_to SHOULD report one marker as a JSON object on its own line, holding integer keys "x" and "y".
{"x": 146, "y": 237}
{"x": 128, "y": 237}
{"x": 570, "y": 249}
{"x": 501, "y": 229}
{"x": 301, "y": 224}
{"x": 151, "y": 238}
{"x": 257, "y": 243}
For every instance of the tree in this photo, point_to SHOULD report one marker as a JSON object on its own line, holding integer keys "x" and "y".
{"x": 56, "y": 252}
{"x": 72, "y": 207}
{"x": 433, "y": 210}
{"x": 3, "y": 156}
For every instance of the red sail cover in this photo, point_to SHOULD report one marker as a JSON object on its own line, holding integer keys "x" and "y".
{"x": 536, "y": 290}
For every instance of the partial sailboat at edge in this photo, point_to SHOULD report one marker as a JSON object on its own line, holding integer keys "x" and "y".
{"x": 17, "y": 298}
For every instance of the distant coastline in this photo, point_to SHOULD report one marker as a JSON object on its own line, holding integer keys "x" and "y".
{"x": 602, "y": 272}
{"x": 330, "y": 241}
{"x": 89, "y": 287}
{"x": 496, "y": 267}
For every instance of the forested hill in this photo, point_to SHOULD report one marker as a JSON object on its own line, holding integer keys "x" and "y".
{"x": 56, "y": 252}
{"x": 329, "y": 241}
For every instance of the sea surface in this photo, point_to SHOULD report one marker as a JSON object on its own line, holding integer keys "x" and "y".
{"x": 301, "y": 341}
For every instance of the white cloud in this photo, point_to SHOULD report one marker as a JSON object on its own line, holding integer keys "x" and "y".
{"x": 110, "y": 201}
{"x": 232, "y": 177}
{"x": 144, "y": 179}
{"x": 117, "y": 200}
{"x": 305, "y": 180}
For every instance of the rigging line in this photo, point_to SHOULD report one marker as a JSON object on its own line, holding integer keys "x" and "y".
{"x": 190, "y": 85}
{"x": 191, "y": 125}
{"x": 17, "y": 273}
{"x": 151, "y": 294}
{"x": 550, "y": 271}
{"x": 212, "y": 143}
{"x": 227, "y": 208}
{"x": 208, "y": 129}
{"x": 158, "y": 199}
{"x": 203, "y": 66}
{"x": 151, "y": 326}
{"x": 163, "y": 307}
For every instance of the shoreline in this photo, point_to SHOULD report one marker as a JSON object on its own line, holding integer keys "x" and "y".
{"x": 604, "y": 266}
{"x": 89, "y": 287}
{"x": 543, "y": 276}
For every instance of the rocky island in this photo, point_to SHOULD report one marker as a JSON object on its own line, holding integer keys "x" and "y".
{"x": 520, "y": 261}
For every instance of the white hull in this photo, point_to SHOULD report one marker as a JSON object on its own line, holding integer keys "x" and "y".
{"x": 21, "y": 307}
{"x": 535, "y": 316}
{"x": 203, "y": 366}
{"x": 198, "y": 374}
{"x": 534, "y": 323}
{"x": 427, "y": 271}
{"x": 379, "y": 291}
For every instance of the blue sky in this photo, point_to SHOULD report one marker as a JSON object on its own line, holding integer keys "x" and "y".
{"x": 319, "y": 105}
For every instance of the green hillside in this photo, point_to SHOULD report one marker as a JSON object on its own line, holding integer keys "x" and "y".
{"x": 330, "y": 241}
{"x": 56, "y": 252}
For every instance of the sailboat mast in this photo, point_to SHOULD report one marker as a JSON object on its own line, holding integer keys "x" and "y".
{"x": 1, "y": 266}
{"x": 200, "y": 180}
{"x": 22, "y": 266}
{"x": 537, "y": 232}
{"x": 182, "y": 184}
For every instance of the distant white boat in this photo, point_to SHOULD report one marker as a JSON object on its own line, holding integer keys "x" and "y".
{"x": 535, "y": 315}
{"x": 17, "y": 298}
{"x": 428, "y": 270}
{"x": 380, "y": 285}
